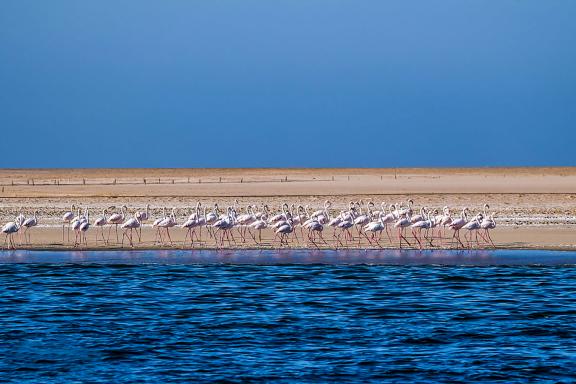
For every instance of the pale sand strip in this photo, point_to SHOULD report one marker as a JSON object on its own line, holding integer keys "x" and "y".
{"x": 536, "y": 206}
{"x": 560, "y": 238}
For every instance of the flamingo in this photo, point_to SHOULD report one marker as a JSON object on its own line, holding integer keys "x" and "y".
{"x": 389, "y": 219}
{"x": 457, "y": 224}
{"x": 284, "y": 231}
{"x": 225, "y": 225}
{"x": 315, "y": 227}
{"x": 84, "y": 226}
{"x": 117, "y": 219}
{"x": 421, "y": 217}
{"x": 487, "y": 224}
{"x": 244, "y": 221}
{"x": 142, "y": 216}
{"x": 375, "y": 227}
{"x": 130, "y": 225}
{"x": 259, "y": 225}
{"x": 361, "y": 220}
{"x": 345, "y": 226}
{"x": 75, "y": 225}
{"x": 100, "y": 222}
{"x": 190, "y": 224}
{"x": 403, "y": 211}
{"x": 401, "y": 224}
{"x": 66, "y": 220}
{"x": 473, "y": 226}
{"x": 327, "y": 205}
{"x": 158, "y": 238}
{"x": 167, "y": 223}
{"x": 382, "y": 210}
{"x": 443, "y": 221}
{"x": 279, "y": 216}
{"x": 29, "y": 223}
{"x": 420, "y": 225}
{"x": 335, "y": 221}
{"x": 10, "y": 229}
{"x": 211, "y": 218}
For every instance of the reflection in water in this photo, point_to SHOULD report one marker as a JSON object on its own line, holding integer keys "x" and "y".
{"x": 291, "y": 256}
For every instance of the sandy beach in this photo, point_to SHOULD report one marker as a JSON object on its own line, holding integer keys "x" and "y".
{"x": 535, "y": 207}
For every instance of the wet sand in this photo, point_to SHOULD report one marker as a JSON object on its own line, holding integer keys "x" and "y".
{"x": 536, "y": 207}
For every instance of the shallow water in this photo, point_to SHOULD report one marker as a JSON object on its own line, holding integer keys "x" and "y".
{"x": 329, "y": 316}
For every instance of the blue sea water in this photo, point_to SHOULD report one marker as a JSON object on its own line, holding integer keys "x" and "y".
{"x": 289, "y": 316}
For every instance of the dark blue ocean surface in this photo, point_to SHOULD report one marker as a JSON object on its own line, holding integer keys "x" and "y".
{"x": 103, "y": 321}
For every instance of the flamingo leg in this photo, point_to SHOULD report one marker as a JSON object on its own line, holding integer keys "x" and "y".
{"x": 378, "y": 240}
{"x": 253, "y": 237}
{"x": 313, "y": 242}
{"x": 402, "y": 236}
{"x": 490, "y": 238}
{"x": 388, "y": 233}
{"x": 186, "y": 237}
{"x": 338, "y": 242}
{"x": 168, "y": 233}
{"x": 457, "y": 234}
{"x": 367, "y": 238}
{"x": 417, "y": 239}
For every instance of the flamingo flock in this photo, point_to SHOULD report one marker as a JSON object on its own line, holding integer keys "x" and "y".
{"x": 358, "y": 225}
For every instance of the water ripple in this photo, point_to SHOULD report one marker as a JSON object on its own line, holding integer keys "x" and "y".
{"x": 291, "y": 323}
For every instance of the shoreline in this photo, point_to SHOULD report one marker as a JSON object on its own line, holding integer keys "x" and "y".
{"x": 355, "y": 249}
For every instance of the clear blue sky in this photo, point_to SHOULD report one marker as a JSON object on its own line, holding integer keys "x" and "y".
{"x": 319, "y": 83}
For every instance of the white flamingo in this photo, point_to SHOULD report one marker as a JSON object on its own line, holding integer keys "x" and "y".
{"x": 143, "y": 217}
{"x": 100, "y": 222}
{"x": 66, "y": 220}
{"x": 457, "y": 224}
{"x": 84, "y": 227}
{"x": 425, "y": 223}
{"x": 116, "y": 219}
{"x": 259, "y": 225}
{"x": 167, "y": 223}
{"x": 10, "y": 229}
{"x": 473, "y": 226}
{"x": 29, "y": 223}
{"x": 375, "y": 227}
{"x": 315, "y": 227}
{"x": 389, "y": 218}
{"x": 401, "y": 224}
{"x": 345, "y": 225}
{"x": 244, "y": 222}
{"x": 158, "y": 238}
{"x": 225, "y": 225}
{"x": 131, "y": 224}
{"x": 284, "y": 231}
{"x": 75, "y": 225}
{"x": 443, "y": 221}
{"x": 488, "y": 224}
{"x": 194, "y": 221}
